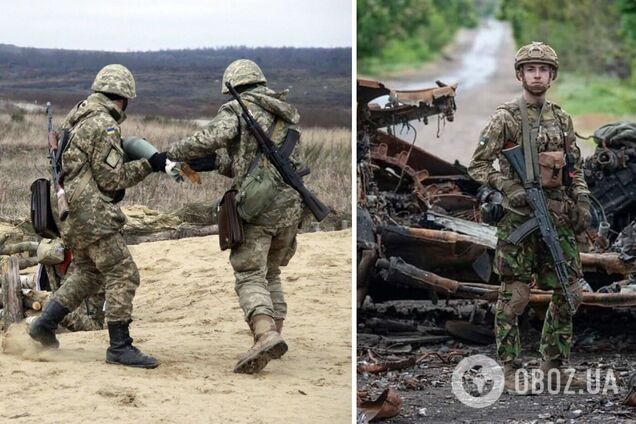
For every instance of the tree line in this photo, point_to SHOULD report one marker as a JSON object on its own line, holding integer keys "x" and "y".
{"x": 590, "y": 36}
{"x": 411, "y": 31}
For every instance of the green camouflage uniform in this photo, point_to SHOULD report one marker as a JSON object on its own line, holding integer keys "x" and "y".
{"x": 530, "y": 261}
{"x": 93, "y": 228}
{"x": 270, "y": 238}
{"x": 89, "y": 315}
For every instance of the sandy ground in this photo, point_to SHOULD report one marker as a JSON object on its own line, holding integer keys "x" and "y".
{"x": 187, "y": 315}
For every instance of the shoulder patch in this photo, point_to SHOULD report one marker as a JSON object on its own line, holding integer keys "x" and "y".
{"x": 483, "y": 140}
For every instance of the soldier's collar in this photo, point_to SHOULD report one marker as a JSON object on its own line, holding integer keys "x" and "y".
{"x": 110, "y": 106}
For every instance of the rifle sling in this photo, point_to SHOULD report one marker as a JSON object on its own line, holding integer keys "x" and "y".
{"x": 530, "y": 150}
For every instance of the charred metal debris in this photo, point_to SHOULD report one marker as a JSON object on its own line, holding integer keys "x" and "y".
{"x": 424, "y": 256}
{"x": 420, "y": 229}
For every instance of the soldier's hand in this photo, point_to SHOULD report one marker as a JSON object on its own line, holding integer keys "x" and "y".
{"x": 203, "y": 164}
{"x": 581, "y": 216}
{"x": 158, "y": 161}
{"x": 515, "y": 193}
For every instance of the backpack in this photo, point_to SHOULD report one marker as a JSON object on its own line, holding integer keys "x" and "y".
{"x": 616, "y": 135}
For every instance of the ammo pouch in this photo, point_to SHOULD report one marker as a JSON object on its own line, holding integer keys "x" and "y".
{"x": 551, "y": 166}
{"x": 257, "y": 192}
{"x": 41, "y": 212}
{"x": 230, "y": 225}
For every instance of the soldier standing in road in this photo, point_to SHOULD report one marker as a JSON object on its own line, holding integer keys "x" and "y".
{"x": 520, "y": 267}
{"x": 270, "y": 234}
{"x": 95, "y": 177}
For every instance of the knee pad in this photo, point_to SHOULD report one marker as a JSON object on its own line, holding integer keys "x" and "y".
{"x": 520, "y": 297}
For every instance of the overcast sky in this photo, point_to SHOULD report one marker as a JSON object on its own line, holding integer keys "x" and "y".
{"x": 172, "y": 24}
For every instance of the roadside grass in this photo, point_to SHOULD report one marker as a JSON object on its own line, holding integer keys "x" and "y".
{"x": 23, "y": 158}
{"x": 594, "y": 101}
{"x": 595, "y": 94}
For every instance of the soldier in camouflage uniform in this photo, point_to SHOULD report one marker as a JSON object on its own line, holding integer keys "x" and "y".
{"x": 523, "y": 266}
{"x": 95, "y": 177}
{"x": 270, "y": 236}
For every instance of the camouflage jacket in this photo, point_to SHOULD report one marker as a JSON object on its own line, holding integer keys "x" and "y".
{"x": 504, "y": 131}
{"x": 94, "y": 169}
{"x": 229, "y": 131}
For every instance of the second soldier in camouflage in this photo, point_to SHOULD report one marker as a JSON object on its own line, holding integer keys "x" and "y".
{"x": 270, "y": 233}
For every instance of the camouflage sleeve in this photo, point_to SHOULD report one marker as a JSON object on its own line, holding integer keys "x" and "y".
{"x": 223, "y": 128}
{"x": 107, "y": 162}
{"x": 491, "y": 142}
{"x": 579, "y": 186}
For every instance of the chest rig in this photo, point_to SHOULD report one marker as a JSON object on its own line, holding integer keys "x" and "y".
{"x": 542, "y": 133}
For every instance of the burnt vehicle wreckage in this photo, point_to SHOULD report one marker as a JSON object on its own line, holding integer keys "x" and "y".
{"x": 424, "y": 256}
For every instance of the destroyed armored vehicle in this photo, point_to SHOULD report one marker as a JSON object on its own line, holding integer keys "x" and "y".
{"x": 420, "y": 233}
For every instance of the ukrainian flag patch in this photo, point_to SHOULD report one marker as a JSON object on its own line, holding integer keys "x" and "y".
{"x": 111, "y": 130}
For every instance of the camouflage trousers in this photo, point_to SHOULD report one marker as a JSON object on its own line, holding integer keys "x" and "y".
{"x": 106, "y": 263}
{"x": 89, "y": 316}
{"x": 530, "y": 263}
{"x": 256, "y": 265}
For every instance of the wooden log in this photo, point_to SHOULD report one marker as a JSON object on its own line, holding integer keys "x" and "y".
{"x": 179, "y": 233}
{"x": 27, "y": 262}
{"x": 27, "y": 281}
{"x": 11, "y": 292}
{"x": 31, "y": 304}
{"x": 36, "y": 295}
{"x": 26, "y": 246}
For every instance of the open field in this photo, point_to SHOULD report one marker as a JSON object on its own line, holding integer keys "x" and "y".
{"x": 186, "y": 83}
{"x": 23, "y": 158}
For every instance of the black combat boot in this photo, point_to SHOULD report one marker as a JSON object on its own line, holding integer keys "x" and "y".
{"x": 121, "y": 350}
{"x": 43, "y": 329}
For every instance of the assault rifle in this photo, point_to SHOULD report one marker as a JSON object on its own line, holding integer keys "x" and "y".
{"x": 55, "y": 156}
{"x": 280, "y": 161}
{"x": 540, "y": 221}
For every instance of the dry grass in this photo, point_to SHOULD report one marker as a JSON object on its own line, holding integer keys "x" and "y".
{"x": 23, "y": 158}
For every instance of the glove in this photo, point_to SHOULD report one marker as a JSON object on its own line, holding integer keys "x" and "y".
{"x": 158, "y": 161}
{"x": 515, "y": 193}
{"x": 203, "y": 164}
{"x": 580, "y": 215}
{"x": 576, "y": 289}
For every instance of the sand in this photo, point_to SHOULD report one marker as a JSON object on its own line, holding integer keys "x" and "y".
{"x": 187, "y": 315}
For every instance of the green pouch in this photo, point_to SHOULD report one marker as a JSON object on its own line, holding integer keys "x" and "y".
{"x": 257, "y": 192}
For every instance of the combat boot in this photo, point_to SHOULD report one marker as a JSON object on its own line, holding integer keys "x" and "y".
{"x": 279, "y": 325}
{"x": 512, "y": 386}
{"x": 43, "y": 329}
{"x": 560, "y": 383}
{"x": 121, "y": 350}
{"x": 268, "y": 345}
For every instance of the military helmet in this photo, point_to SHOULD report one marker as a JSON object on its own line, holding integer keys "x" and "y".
{"x": 242, "y": 72}
{"x": 115, "y": 79}
{"x": 537, "y": 52}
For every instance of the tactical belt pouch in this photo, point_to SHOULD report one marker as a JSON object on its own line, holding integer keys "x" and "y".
{"x": 41, "y": 213}
{"x": 230, "y": 224}
{"x": 551, "y": 166}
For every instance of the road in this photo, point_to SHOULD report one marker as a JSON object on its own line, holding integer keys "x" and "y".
{"x": 481, "y": 62}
